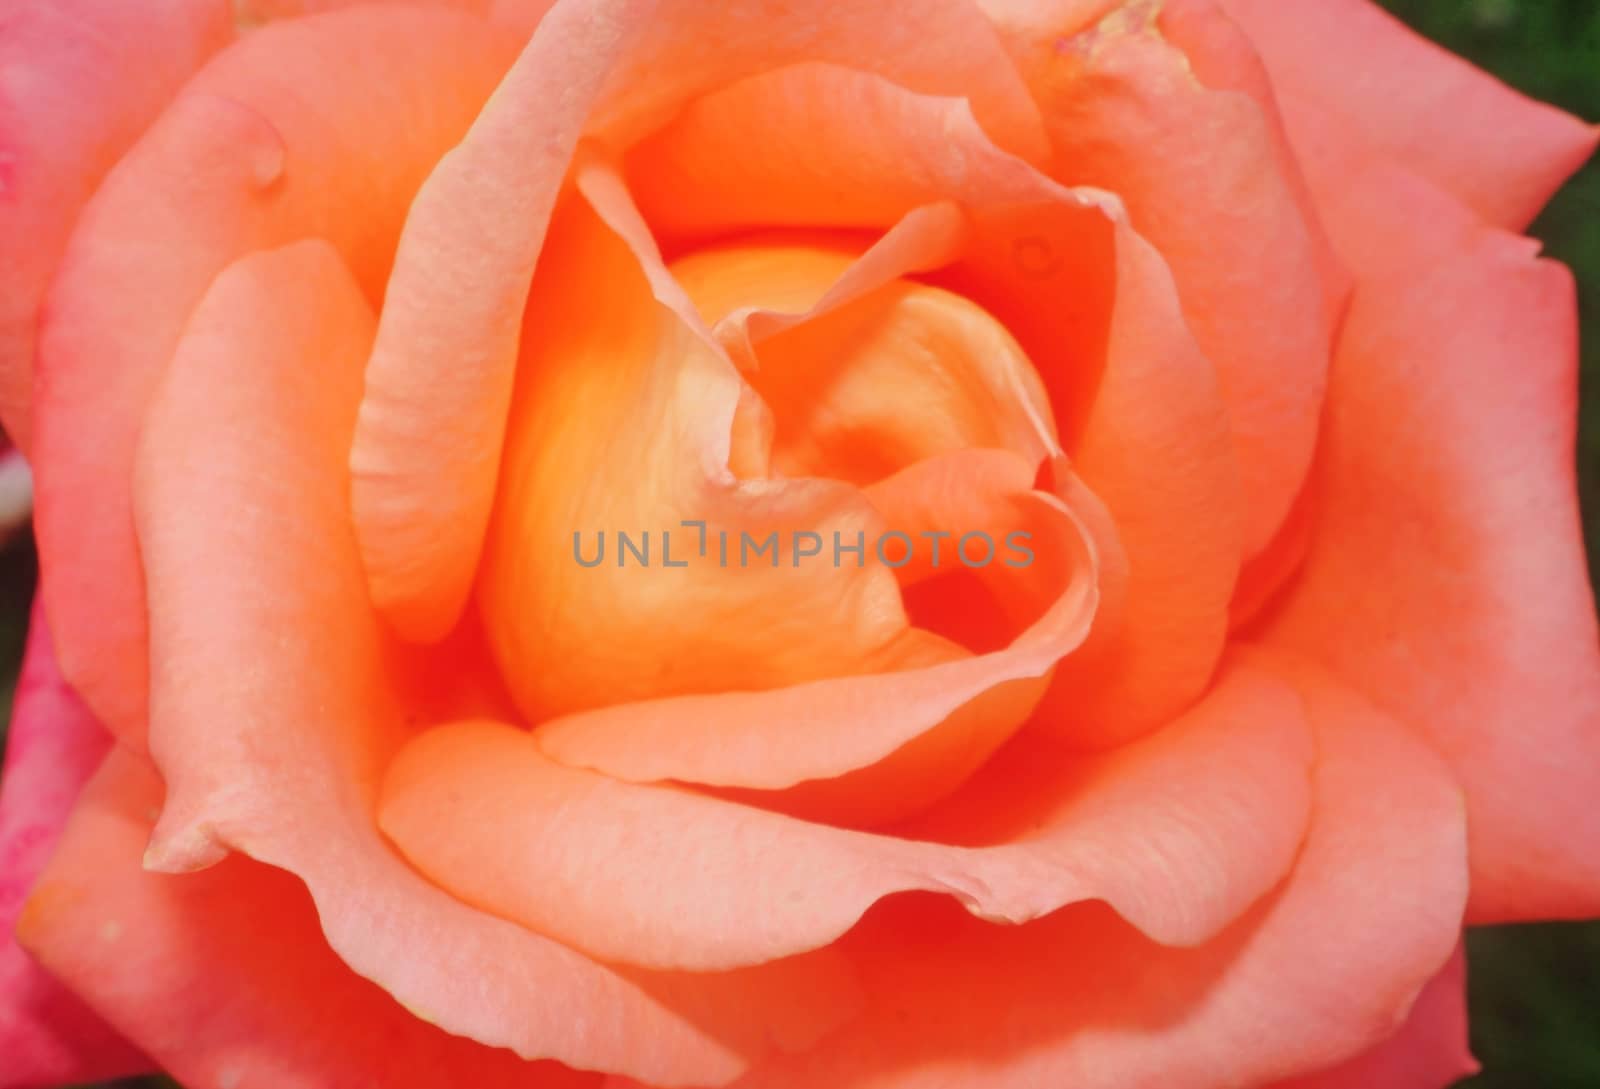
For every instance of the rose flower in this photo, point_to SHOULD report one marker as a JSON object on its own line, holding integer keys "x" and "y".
{"x": 339, "y": 336}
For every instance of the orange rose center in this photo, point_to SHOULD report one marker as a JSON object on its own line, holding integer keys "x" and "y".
{"x": 765, "y": 523}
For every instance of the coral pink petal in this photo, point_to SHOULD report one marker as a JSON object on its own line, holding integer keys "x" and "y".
{"x": 1203, "y": 179}
{"x": 224, "y": 977}
{"x": 81, "y": 81}
{"x": 1321, "y": 970}
{"x": 1154, "y": 448}
{"x": 255, "y": 12}
{"x": 242, "y": 496}
{"x": 1355, "y": 83}
{"x": 47, "y": 1035}
{"x": 661, "y": 876}
{"x": 1429, "y": 1052}
{"x": 439, "y": 383}
{"x": 279, "y": 137}
{"x": 686, "y": 49}
{"x": 1446, "y": 576}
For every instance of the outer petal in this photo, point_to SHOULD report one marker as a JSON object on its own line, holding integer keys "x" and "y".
{"x": 1429, "y": 1052}
{"x": 1446, "y": 575}
{"x": 663, "y": 877}
{"x": 47, "y": 1036}
{"x": 1322, "y": 970}
{"x": 1354, "y": 82}
{"x": 1203, "y": 177}
{"x": 243, "y": 524}
{"x": 224, "y": 977}
{"x": 261, "y": 11}
{"x": 79, "y": 81}
{"x": 687, "y": 49}
{"x": 279, "y": 137}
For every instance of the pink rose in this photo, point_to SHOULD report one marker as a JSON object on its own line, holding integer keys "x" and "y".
{"x": 1200, "y": 334}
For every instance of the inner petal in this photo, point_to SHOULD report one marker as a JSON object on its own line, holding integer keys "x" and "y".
{"x": 862, "y": 388}
{"x": 637, "y": 563}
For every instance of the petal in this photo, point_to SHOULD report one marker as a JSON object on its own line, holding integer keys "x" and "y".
{"x": 215, "y": 973}
{"x": 79, "y": 81}
{"x": 439, "y": 383}
{"x": 1204, "y": 179}
{"x": 865, "y": 378}
{"x": 796, "y": 624}
{"x": 1414, "y": 103}
{"x": 428, "y": 445}
{"x": 279, "y": 137}
{"x": 1446, "y": 576}
{"x": 686, "y": 50}
{"x": 808, "y": 731}
{"x": 1319, "y": 971}
{"x": 818, "y": 145}
{"x": 1090, "y": 302}
{"x": 255, "y": 12}
{"x": 46, "y": 1033}
{"x": 673, "y": 399}
{"x": 1154, "y": 448}
{"x": 1429, "y": 1052}
{"x": 242, "y": 501}
{"x": 660, "y": 876}
{"x": 932, "y": 714}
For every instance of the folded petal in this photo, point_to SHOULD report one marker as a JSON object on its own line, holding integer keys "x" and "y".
{"x": 427, "y": 445}
{"x": 242, "y": 506}
{"x": 1155, "y": 449}
{"x": 885, "y": 686}
{"x": 863, "y": 378}
{"x": 1203, "y": 177}
{"x": 1317, "y": 972}
{"x": 663, "y": 877}
{"x": 813, "y": 731}
{"x": 816, "y": 144}
{"x": 442, "y": 374}
{"x": 224, "y": 977}
{"x": 1414, "y": 103}
{"x": 252, "y": 13}
{"x": 1429, "y": 1052}
{"x": 739, "y": 618}
{"x": 79, "y": 82}
{"x": 1446, "y": 577}
{"x": 278, "y": 138}
{"x": 47, "y": 1035}
{"x": 687, "y": 49}
{"x": 1091, "y": 303}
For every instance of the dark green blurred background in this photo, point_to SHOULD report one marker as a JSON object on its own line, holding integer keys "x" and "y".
{"x": 1535, "y": 990}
